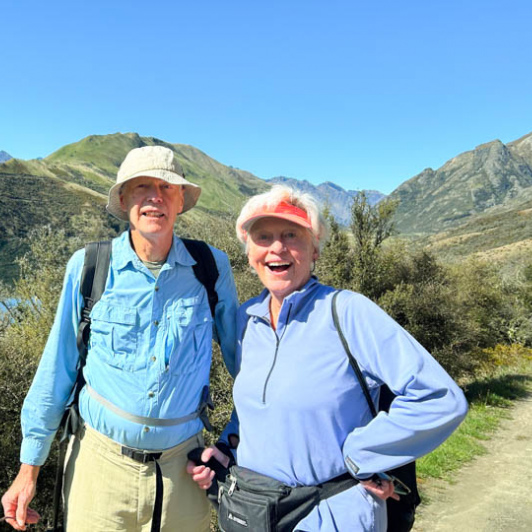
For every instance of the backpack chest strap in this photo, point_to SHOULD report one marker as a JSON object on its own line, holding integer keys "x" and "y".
{"x": 151, "y": 421}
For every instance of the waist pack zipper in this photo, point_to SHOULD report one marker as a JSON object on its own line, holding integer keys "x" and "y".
{"x": 234, "y": 482}
{"x": 232, "y": 486}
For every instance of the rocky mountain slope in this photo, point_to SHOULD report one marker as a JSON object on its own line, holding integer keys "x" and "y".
{"x": 491, "y": 176}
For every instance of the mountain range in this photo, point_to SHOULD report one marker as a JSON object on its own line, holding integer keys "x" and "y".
{"x": 491, "y": 177}
{"x": 478, "y": 202}
{"x": 329, "y": 194}
{"x": 4, "y": 156}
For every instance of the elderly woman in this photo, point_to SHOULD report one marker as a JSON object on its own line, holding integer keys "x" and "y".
{"x": 303, "y": 417}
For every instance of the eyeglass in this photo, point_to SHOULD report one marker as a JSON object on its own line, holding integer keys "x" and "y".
{"x": 399, "y": 486}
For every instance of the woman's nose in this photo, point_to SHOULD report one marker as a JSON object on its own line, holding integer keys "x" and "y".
{"x": 277, "y": 246}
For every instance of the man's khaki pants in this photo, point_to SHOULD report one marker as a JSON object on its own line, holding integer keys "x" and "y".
{"x": 105, "y": 491}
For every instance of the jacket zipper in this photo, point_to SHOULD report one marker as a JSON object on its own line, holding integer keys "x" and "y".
{"x": 271, "y": 369}
{"x": 278, "y": 341}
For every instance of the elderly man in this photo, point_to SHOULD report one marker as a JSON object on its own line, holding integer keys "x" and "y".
{"x": 148, "y": 363}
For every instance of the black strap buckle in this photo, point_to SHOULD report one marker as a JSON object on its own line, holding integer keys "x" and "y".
{"x": 204, "y": 407}
{"x": 140, "y": 456}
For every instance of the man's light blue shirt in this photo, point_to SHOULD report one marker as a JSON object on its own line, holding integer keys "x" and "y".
{"x": 149, "y": 351}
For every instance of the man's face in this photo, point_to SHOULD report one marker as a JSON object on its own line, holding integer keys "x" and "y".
{"x": 151, "y": 204}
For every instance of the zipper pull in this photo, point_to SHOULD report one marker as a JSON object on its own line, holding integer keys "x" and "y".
{"x": 232, "y": 486}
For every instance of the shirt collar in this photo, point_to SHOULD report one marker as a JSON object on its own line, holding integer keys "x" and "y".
{"x": 261, "y": 308}
{"x": 124, "y": 254}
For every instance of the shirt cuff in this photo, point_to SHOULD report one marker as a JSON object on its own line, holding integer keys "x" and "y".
{"x": 34, "y": 452}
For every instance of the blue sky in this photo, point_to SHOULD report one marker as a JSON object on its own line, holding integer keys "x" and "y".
{"x": 364, "y": 94}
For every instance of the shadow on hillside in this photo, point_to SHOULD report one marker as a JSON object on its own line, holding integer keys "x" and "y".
{"x": 506, "y": 388}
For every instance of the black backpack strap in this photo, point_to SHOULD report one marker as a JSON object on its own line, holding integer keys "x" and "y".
{"x": 352, "y": 359}
{"x": 92, "y": 286}
{"x": 205, "y": 269}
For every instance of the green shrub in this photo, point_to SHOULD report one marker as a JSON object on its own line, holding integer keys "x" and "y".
{"x": 490, "y": 360}
{"x": 469, "y": 316}
{"x": 23, "y": 339}
{"x": 335, "y": 265}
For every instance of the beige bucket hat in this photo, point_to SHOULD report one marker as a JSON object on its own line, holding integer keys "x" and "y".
{"x": 151, "y": 161}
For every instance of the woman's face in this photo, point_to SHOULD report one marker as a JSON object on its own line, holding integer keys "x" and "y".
{"x": 281, "y": 252}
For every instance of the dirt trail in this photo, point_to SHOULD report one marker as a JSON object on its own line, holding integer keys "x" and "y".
{"x": 494, "y": 492}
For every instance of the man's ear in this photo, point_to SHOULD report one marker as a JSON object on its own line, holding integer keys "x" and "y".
{"x": 121, "y": 191}
{"x": 122, "y": 203}
{"x": 182, "y": 192}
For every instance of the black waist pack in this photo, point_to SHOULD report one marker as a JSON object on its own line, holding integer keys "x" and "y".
{"x": 247, "y": 500}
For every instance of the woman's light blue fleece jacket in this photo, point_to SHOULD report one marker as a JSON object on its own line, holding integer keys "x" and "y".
{"x": 303, "y": 416}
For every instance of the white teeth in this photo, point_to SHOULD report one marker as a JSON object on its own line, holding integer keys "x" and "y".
{"x": 153, "y": 214}
{"x": 278, "y": 264}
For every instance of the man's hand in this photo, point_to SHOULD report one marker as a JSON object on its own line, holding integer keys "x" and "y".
{"x": 17, "y": 498}
{"x": 204, "y": 475}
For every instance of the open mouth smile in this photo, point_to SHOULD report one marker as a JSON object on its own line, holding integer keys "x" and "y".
{"x": 153, "y": 214}
{"x": 278, "y": 266}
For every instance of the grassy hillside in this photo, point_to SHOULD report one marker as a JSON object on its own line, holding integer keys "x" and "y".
{"x": 100, "y": 156}
{"x": 224, "y": 189}
{"x": 28, "y": 201}
{"x": 79, "y": 175}
{"x": 502, "y": 234}
{"x": 93, "y": 163}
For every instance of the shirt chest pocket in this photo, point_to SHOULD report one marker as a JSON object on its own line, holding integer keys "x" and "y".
{"x": 189, "y": 335}
{"x": 114, "y": 335}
